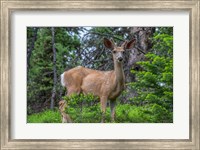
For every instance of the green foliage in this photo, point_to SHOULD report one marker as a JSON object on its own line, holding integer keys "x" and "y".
{"x": 142, "y": 114}
{"x": 125, "y": 113}
{"x": 154, "y": 83}
{"x": 48, "y": 116}
{"x": 84, "y": 108}
{"x": 40, "y": 74}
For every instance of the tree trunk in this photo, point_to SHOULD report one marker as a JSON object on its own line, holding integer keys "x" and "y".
{"x": 54, "y": 69}
{"x": 30, "y": 49}
{"x": 142, "y": 46}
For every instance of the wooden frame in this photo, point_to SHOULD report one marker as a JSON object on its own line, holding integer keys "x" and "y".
{"x": 7, "y": 7}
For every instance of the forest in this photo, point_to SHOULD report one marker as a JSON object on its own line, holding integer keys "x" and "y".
{"x": 148, "y": 69}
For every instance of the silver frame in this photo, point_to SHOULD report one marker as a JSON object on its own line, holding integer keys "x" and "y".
{"x": 7, "y": 7}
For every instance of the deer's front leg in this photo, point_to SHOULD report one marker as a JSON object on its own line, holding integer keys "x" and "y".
{"x": 103, "y": 100}
{"x": 112, "y": 109}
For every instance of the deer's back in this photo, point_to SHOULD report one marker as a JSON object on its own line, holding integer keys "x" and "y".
{"x": 81, "y": 79}
{"x": 74, "y": 76}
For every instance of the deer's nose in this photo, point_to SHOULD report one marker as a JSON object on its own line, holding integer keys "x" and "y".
{"x": 120, "y": 58}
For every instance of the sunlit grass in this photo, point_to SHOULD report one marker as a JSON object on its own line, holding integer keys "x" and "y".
{"x": 125, "y": 113}
{"x": 48, "y": 116}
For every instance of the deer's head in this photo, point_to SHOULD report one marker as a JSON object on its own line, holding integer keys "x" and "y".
{"x": 118, "y": 51}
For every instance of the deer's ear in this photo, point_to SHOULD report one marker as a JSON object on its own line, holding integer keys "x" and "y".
{"x": 130, "y": 44}
{"x": 108, "y": 43}
{"x": 124, "y": 44}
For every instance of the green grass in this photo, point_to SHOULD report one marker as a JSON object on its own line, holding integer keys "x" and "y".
{"x": 125, "y": 113}
{"x": 48, "y": 116}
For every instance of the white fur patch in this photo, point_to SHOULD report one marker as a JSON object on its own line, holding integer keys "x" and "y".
{"x": 62, "y": 80}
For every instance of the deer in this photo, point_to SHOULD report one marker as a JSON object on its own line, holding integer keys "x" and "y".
{"x": 106, "y": 85}
{"x": 65, "y": 117}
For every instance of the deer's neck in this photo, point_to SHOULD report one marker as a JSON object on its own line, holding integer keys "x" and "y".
{"x": 119, "y": 80}
{"x": 119, "y": 72}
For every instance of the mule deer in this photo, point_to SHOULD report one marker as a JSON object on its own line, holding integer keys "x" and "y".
{"x": 65, "y": 117}
{"x": 104, "y": 84}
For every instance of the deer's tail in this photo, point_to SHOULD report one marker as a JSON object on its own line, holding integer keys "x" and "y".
{"x": 62, "y": 80}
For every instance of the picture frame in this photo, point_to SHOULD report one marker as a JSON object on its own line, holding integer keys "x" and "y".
{"x": 8, "y": 7}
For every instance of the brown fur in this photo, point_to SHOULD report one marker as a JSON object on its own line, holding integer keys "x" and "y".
{"x": 65, "y": 117}
{"x": 104, "y": 84}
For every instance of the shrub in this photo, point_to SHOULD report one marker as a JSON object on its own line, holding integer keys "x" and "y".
{"x": 84, "y": 108}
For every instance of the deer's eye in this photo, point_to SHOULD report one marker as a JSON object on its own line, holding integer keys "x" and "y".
{"x": 114, "y": 52}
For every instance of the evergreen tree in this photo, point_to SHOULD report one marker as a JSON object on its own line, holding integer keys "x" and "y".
{"x": 41, "y": 74}
{"x": 154, "y": 82}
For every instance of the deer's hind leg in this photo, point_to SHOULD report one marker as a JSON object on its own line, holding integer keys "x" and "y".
{"x": 73, "y": 90}
{"x": 73, "y": 84}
